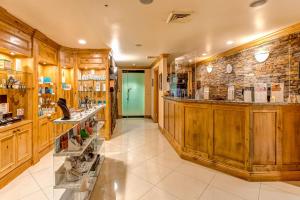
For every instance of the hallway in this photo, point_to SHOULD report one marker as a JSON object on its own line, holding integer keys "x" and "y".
{"x": 140, "y": 164}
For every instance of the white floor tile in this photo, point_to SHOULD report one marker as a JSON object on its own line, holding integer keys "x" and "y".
{"x": 19, "y": 188}
{"x": 157, "y": 194}
{"x": 151, "y": 172}
{"x": 196, "y": 171}
{"x": 213, "y": 193}
{"x": 247, "y": 190}
{"x": 39, "y": 195}
{"x": 181, "y": 186}
{"x": 271, "y": 193}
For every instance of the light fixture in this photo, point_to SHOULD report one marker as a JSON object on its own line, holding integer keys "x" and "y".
{"x": 12, "y": 53}
{"x": 85, "y": 67}
{"x": 82, "y": 41}
{"x": 146, "y": 1}
{"x": 190, "y": 60}
{"x": 209, "y": 68}
{"x": 229, "y": 42}
{"x": 261, "y": 56}
{"x": 133, "y": 64}
{"x": 44, "y": 63}
{"x": 204, "y": 54}
{"x": 257, "y": 3}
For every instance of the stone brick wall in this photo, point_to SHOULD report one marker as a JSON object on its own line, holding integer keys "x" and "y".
{"x": 282, "y": 66}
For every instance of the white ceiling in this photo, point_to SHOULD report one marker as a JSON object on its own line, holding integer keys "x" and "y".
{"x": 125, "y": 23}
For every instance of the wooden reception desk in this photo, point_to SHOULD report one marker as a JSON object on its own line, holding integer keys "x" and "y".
{"x": 256, "y": 142}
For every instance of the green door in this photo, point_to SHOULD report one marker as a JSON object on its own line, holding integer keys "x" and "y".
{"x": 133, "y": 93}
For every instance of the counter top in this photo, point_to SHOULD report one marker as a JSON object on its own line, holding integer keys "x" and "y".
{"x": 186, "y": 100}
{"x": 14, "y": 125}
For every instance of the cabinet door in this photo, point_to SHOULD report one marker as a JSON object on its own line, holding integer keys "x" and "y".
{"x": 14, "y": 39}
{"x": 43, "y": 134}
{"x": 24, "y": 143}
{"x": 47, "y": 54}
{"x": 51, "y": 131}
{"x": 7, "y": 157}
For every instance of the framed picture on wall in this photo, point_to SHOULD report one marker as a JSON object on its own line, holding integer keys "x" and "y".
{"x": 160, "y": 81}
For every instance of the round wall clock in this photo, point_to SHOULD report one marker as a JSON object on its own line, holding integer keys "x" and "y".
{"x": 228, "y": 68}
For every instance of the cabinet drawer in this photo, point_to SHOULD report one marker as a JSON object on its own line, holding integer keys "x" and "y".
{"x": 21, "y": 128}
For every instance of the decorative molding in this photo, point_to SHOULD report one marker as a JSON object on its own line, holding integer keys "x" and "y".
{"x": 265, "y": 39}
{"x": 11, "y": 20}
{"x": 43, "y": 38}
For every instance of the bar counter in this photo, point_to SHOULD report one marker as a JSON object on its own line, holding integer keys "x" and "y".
{"x": 253, "y": 141}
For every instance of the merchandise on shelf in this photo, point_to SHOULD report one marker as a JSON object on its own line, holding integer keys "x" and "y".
{"x": 95, "y": 77}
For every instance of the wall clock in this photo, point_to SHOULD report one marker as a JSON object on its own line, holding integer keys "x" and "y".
{"x": 228, "y": 68}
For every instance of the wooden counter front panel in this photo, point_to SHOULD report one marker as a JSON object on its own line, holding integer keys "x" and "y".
{"x": 229, "y": 133}
{"x": 179, "y": 114}
{"x": 171, "y": 122}
{"x": 197, "y": 127}
{"x": 291, "y": 136}
{"x": 166, "y": 115}
{"x": 264, "y": 137}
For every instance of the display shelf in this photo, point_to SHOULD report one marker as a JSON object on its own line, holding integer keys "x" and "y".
{"x": 85, "y": 144}
{"x": 14, "y": 71}
{"x": 62, "y": 183}
{"x": 75, "y": 194}
{"x": 80, "y": 117}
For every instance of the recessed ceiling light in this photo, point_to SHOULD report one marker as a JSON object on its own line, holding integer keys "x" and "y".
{"x": 146, "y": 1}
{"x": 82, "y": 41}
{"x": 44, "y": 63}
{"x": 12, "y": 53}
{"x": 138, "y": 45}
{"x": 204, "y": 54}
{"x": 229, "y": 42}
{"x": 133, "y": 64}
{"x": 257, "y": 3}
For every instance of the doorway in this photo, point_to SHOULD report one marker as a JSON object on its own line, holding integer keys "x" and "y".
{"x": 155, "y": 96}
{"x": 133, "y": 93}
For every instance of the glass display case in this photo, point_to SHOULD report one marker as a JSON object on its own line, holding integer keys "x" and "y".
{"x": 78, "y": 156}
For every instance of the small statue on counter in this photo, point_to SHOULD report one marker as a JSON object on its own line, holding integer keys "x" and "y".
{"x": 63, "y": 106}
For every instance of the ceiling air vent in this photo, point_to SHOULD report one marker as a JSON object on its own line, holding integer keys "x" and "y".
{"x": 179, "y": 17}
{"x": 152, "y": 57}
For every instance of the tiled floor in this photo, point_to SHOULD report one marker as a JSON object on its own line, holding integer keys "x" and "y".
{"x": 140, "y": 164}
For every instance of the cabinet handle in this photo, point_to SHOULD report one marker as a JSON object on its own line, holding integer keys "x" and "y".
{"x": 7, "y": 146}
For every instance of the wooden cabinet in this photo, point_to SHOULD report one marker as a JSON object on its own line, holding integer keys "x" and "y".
{"x": 24, "y": 143}
{"x": 67, "y": 58}
{"x": 43, "y": 134}
{"x": 15, "y": 40}
{"x": 8, "y": 155}
{"x": 254, "y": 142}
{"x": 15, "y": 146}
{"x": 91, "y": 61}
